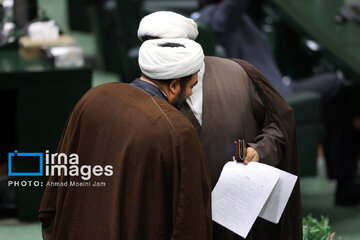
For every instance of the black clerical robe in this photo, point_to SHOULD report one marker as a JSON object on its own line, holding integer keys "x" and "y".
{"x": 238, "y": 102}
{"x": 160, "y": 188}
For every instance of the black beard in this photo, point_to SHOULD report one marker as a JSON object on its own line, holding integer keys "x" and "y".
{"x": 180, "y": 99}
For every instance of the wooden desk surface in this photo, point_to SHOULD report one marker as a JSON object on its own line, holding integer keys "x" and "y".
{"x": 315, "y": 18}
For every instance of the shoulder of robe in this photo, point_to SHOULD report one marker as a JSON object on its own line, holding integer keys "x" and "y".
{"x": 224, "y": 66}
{"x": 120, "y": 103}
{"x": 108, "y": 91}
{"x": 110, "y": 102}
{"x": 175, "y": 118}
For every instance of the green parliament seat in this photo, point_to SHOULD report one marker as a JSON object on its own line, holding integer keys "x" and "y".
{"x": 129, "y": 16}
{"x": 114, "y": 24}
{"x": 307, "y": 110}
{"x": 103, "y": 23}
{"x": 78, "y": 18}
{"x": 206, "y": 38}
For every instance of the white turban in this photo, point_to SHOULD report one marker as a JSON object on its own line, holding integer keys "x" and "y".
{"x": 161, "y": 62}
{"x": 166, "y": 24}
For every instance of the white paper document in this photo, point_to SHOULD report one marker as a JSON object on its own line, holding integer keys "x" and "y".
{"x": 245, "y": 192}
{"x": 278, "y": 198}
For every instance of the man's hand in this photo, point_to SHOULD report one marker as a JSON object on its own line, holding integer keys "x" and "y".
{"x": 251, "y": 156}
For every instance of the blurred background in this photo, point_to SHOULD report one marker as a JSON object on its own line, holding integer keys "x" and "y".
{"x": 52, "y": 52}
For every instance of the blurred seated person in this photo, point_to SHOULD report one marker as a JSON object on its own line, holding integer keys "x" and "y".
{"x": 241, "y": 38}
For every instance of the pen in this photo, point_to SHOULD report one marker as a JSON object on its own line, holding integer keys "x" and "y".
{"x": 240, "y": 149}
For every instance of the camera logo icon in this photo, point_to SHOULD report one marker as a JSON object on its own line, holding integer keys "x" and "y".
{"x": 23, "y": 156}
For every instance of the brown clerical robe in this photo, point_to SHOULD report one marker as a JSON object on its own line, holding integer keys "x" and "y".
{"x": 239, "y": 105}
{"x": 160, "y": 188}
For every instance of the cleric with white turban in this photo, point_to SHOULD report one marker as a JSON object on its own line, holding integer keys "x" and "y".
{"x": 169, "y": 68}
{"x": 166, "y": 24}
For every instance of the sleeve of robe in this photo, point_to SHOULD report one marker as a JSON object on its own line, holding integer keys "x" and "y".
{"x": 270, "y": 142}
{"x": 192, "y": 212}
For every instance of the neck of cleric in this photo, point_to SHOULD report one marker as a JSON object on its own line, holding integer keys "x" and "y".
{"x": 170, "y": 90}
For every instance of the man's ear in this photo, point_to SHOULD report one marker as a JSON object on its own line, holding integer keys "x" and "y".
{"x": 174, "y": 85}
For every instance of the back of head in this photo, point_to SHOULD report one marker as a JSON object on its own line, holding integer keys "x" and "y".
{"x": 166, "y": 24}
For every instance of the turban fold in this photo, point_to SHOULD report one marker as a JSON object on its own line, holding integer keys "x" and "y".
{"x": 166, "y": 24}
{"x": 164, "y": 59}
